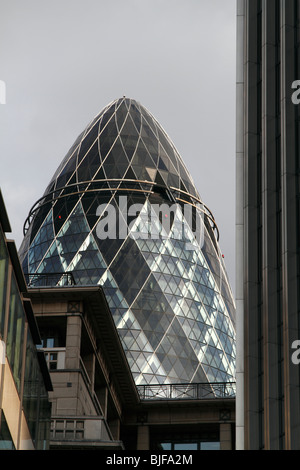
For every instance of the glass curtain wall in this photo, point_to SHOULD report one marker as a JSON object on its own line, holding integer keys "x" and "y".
{"x": 122, "y": 212}
{"x": 21, "y": 355}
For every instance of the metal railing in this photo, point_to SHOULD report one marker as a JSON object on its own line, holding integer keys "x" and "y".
{"x": 116, "y": 184}
{"x": 191, "y": 391}
{"x": 50, "y": 279}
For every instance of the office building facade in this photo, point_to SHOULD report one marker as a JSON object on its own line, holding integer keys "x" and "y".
{"x": 122, "y": 212}
{"x": 267, "y": 291}
{"x": 96, "y": 404}
{"x": 92, "y": 382}
{"x": 25, "y": 384}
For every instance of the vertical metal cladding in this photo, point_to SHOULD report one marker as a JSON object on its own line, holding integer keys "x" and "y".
{"x": 122, "y": 212}
{"x": 268, "y": 224}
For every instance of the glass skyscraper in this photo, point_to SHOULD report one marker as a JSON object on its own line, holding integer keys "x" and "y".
{"x": 122, "y": 211}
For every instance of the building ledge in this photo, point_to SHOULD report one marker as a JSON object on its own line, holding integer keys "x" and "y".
{"x": 85, "y": 444}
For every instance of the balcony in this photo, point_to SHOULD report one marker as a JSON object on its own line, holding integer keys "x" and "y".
{"x": 192, "y": 391}
{"x": 82, "y": 432}
{"x": 50, "y": 279}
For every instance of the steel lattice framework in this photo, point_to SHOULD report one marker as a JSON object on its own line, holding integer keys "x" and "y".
{"x": 169, "y": 294}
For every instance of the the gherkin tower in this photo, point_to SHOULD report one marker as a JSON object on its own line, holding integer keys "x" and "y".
{"x": 122, "y": 211}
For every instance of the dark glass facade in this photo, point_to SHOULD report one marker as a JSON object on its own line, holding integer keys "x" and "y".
{"x": 268, "y": 269}
{"x": 122, "y": 211}
{"x": 24, "y": 388}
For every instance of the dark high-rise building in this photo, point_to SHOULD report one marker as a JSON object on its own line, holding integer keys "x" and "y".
{"x": 122, "y": 212}
{"x": 268, "y": 168}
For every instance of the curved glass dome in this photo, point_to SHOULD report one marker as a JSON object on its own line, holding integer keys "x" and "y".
{"x": 122, "y": 211}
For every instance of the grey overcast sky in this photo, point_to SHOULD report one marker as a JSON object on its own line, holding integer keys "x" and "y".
{"x": 63, "y": 60}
